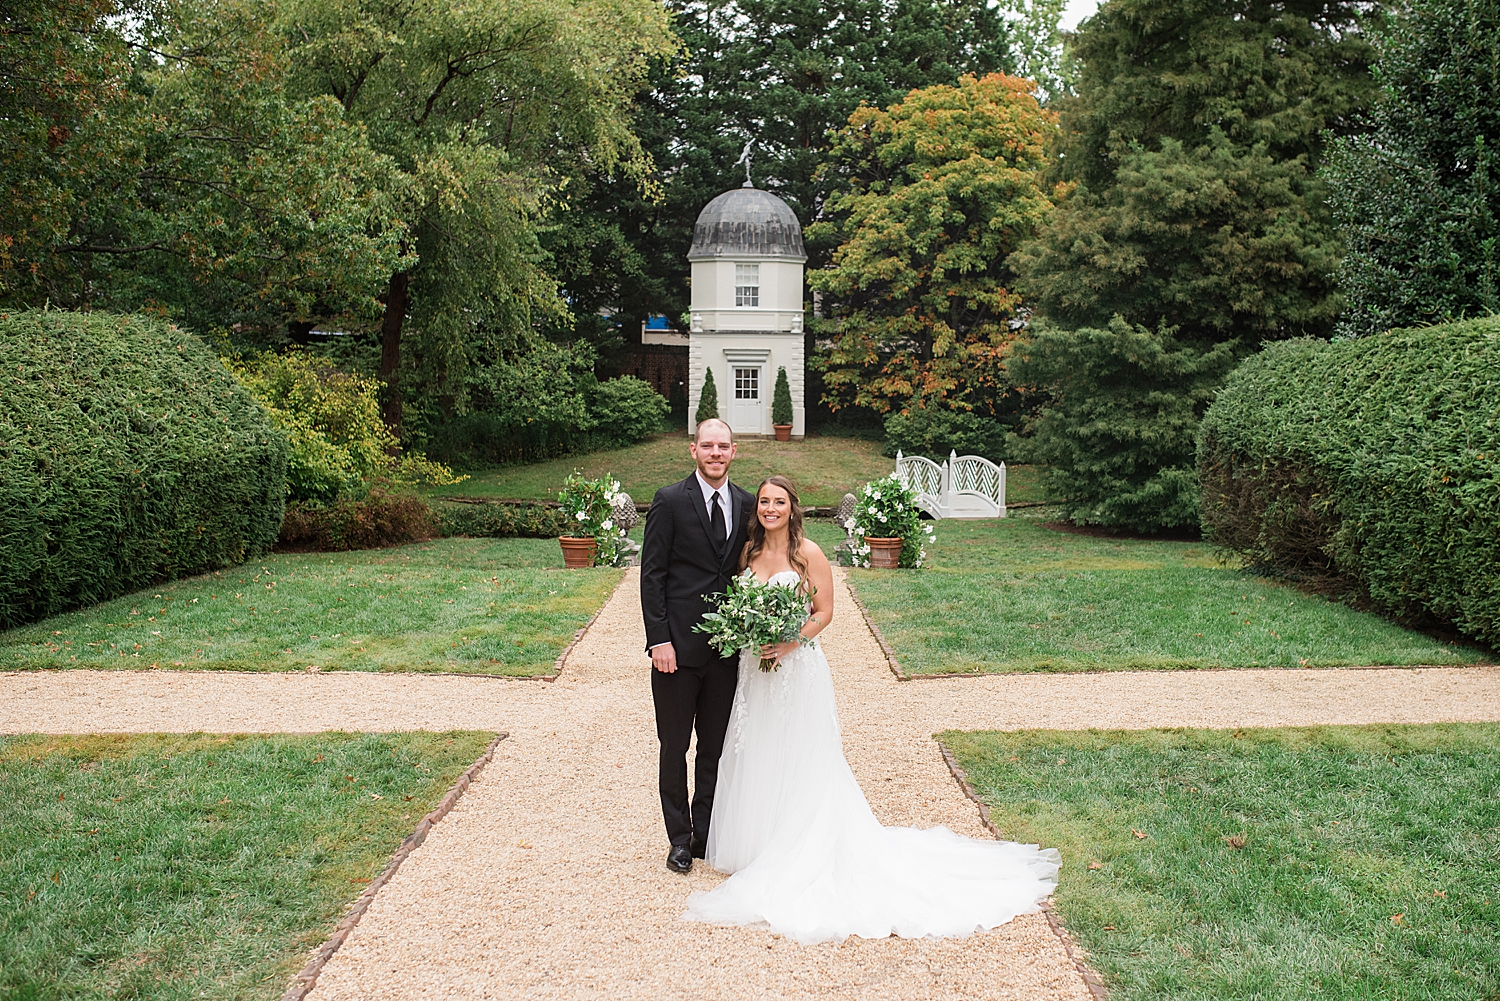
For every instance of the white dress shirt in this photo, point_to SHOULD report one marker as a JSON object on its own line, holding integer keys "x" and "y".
{"x": 708, "y": 500}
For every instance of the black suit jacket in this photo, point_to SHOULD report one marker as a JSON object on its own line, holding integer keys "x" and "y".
{"x": 679, "y": 565}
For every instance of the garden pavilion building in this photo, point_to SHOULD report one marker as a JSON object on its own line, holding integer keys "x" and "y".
{"x": 746, "y": 316}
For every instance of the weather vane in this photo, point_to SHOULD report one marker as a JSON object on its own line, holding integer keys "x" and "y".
{"x": 745, "y": 159}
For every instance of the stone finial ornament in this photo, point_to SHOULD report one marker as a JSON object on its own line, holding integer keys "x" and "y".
{"x": 623, "y": 511}
{"x": 844, "y": 512}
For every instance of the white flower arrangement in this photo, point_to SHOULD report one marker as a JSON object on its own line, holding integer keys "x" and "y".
{"x": 889, "y": 506}
{"x": 592, "y": 503}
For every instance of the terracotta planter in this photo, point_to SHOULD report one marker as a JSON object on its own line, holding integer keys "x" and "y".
{"x": 578, "y": 553}
{"x": 783, "y": 432}
{"x": 885, "y": 554}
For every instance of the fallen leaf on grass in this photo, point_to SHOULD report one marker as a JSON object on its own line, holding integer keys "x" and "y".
{"x": 1396, "y": 918}
{"x": 1439, "y": 893}
{"x": 1139, "y": 834}
{"x": 1109, "y": 927}
{"x": 1096, "y": 865}
{"x": 1235, "y": 841}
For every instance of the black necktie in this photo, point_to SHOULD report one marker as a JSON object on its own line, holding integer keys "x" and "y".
{"x": 716, "y": 524}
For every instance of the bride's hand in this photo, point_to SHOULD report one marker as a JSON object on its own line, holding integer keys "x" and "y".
{"x": 778, "y": 650}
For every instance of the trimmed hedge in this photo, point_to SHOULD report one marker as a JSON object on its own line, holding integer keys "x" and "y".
{"x": 378, "y": 520}
{"x": 127, "y": 455}
{"x": 1369, "y": 468}
{"x": 503, "y": 521}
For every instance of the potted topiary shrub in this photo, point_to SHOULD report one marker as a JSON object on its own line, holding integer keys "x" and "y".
{"x": 781, "y": 407}
{"x": 887, "y": 527}
{"x": 594, "y": 539}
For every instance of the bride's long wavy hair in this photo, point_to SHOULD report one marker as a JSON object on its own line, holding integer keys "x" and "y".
{"x": 794, "y": 533}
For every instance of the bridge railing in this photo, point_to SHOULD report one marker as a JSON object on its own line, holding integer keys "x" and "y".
{"x": 965, "y": 486}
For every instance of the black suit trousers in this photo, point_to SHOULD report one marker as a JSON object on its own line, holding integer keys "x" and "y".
{"x": 692, "y": 697}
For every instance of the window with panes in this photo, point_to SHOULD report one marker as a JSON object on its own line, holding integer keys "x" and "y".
{"x": 747, "y": 284}
{"x": 747, "y": 383}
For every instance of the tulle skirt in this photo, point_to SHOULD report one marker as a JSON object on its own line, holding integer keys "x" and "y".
{"x": 809, "y": 859}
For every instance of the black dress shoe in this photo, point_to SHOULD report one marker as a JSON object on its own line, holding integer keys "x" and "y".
{"x": 680, "y": 859}
{"x": 699, "y": 849}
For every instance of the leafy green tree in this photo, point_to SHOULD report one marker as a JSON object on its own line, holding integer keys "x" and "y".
{"x": 152, "y": 158}
{"x": 1118, "y": 436}
{"x": 782, "y": 411}
{"x": 708, "y": 401}
{"x": 1419, "y": 197}
{"x": 932, "y": 196}
{"x": 487, "y": 109}
{"x": 783, "y": 74}
{"x": 1194, "y": 140}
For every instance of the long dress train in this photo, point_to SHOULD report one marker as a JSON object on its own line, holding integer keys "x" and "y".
{"x": 807, "y": 856}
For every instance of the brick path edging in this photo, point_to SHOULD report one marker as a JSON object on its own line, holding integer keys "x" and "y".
{"x": 1075, "y": 953}
{"x": 304, "y": 982}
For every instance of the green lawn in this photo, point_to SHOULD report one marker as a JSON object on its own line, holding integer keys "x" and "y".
{"x": 1011, "y": 595}
{"x": 1275, "y": 865}
{"x": 175, "y": 867}
{"x": 476, "y": 606}
{"x": 823, "y": 469}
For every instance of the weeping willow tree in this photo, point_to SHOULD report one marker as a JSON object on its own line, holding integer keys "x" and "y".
{"x": 487, "y": 110}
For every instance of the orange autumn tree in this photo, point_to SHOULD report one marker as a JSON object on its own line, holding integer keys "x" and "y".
{"x": 931, "y": 196}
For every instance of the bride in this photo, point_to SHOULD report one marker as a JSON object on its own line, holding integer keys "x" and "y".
{"x": 790, "y": 823}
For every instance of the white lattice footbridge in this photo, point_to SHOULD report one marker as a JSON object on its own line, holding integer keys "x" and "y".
{"x": 965, "y": 486}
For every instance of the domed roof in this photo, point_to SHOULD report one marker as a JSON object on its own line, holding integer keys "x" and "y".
{"x": 747, "y": 222}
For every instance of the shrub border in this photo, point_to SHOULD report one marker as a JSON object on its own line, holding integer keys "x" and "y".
{"x": 1070, "y": 945}
{"x": 305, "y": 981}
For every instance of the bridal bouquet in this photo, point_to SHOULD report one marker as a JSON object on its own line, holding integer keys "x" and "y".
{"x": 752, "y": 615}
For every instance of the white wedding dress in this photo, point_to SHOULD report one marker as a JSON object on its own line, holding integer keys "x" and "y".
{"x": 809, "y": 859}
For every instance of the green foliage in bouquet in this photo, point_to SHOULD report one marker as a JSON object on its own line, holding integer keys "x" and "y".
{"x": 781, "y": 399}
{"x": 887, "y": 509}
{"x": 127, "y": 456}
{"x": 751, "y": 614}
{"x": 708, "y": 402}
{"x": 588, "y": 506}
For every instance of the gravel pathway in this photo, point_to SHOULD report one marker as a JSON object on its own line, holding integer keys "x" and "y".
{"x": 546, "y": 881}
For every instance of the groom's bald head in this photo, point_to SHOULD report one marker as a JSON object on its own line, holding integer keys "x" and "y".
{"x": 716, "y": 427}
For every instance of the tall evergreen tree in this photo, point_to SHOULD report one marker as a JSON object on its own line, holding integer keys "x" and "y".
{"x": 1198, "y": 221}
{"x": 1195, "y": 140}
{"x": 1419, "y": 198}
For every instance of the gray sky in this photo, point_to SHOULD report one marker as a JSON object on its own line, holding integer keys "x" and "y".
{"x": 1076, "y": 11}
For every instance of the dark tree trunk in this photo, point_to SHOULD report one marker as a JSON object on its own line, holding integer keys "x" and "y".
{"x": 390, "y": 349}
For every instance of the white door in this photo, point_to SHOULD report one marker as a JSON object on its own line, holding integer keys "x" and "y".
{"x": 746, "y": 407}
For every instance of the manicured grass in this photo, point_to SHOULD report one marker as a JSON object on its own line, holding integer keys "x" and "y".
{"x": 198, "y": 866}
{"x": 823, "y": 469}
{"x": 1012, "y": 595}
{"x": 476, "y": 606}
{"x": 1369, "y": 865}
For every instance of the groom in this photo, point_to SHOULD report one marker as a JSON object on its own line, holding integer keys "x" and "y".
{"x": 695, "y": 531}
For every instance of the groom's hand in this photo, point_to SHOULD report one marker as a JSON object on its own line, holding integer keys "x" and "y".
{"x": 664, "y": 658}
